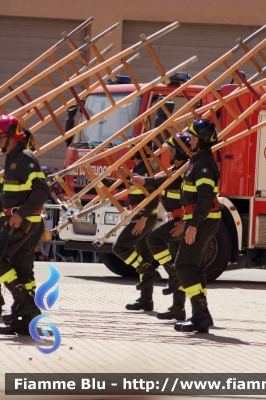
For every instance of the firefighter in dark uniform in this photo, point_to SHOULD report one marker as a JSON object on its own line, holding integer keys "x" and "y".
{"x": 131, "y": 244}
{"x": 31, "y": 287}
{"x": 159, "y": 239}
{"x": 23, "y": 194}
{"x": 2, "y": 223}
{"x": 201, "y": 218}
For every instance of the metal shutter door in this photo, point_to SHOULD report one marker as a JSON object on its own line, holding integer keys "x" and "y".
{"x": 207, "y": 42}
{"x": 22, "y": 40}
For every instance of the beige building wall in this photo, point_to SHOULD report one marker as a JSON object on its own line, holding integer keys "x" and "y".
{"x": 19, "y": 43}
{"x": 106, "y": 12}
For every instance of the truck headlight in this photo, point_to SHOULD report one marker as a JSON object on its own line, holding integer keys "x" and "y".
{"x": 111, "y": 218}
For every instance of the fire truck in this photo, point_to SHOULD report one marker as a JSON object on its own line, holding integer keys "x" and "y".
{"x": 241, "y": 239}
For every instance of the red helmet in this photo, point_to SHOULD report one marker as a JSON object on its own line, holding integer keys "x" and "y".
{"x": 11, "y": 125}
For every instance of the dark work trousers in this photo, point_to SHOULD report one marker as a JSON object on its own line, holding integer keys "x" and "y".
{"x": 189, "y": 260}
{"x": 19, "y": 252}
{"x": 36, "y": 238}
{"x": 159, "y": 239}
{"x": 127, "y": 243}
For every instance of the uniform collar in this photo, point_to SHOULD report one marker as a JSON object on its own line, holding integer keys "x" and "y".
{"x": 16, "y": 150}
{"x": 202, "y": 153}
{"x": 137, "y": 167}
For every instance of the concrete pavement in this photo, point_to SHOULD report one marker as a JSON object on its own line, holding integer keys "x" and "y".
{"x": 100, "y": 335}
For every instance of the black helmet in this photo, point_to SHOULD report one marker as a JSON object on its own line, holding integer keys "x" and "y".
{"x": 180, "y": 152}
{"x": 205, "y": 131}
{"x": 137, "y": 155}
{"x": 29, "y": 142}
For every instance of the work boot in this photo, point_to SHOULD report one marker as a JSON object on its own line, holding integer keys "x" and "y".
{"x": 177, "y": 310}
{"x": 23, "y": 301}
{"x": 144, "y": 302}
{"x": 9, "y": 317}
{"x": 150, "y": 275}
{"x": 201, "y": 318}
{"x": 178, "y": 325}
{"x": 19, "y": 325}
{"x": 173, "y": 281}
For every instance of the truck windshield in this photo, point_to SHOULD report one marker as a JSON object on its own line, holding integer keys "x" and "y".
{"x": 107, "y": 126}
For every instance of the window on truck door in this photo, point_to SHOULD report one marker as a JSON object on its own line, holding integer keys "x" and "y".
{"x": 155, "y": 119}
{"x": 107, "y": 126}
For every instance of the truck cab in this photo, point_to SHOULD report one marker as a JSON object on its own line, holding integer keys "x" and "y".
{"x": 82, "y": 233}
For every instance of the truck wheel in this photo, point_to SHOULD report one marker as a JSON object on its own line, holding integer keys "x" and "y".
{"x": 117, "y": 266}
{"x": 218, "y": 253}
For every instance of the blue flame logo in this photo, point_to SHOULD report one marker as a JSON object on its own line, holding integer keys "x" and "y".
{"x": 50, "y": 300}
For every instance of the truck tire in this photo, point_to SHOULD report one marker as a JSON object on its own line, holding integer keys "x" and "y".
{"x": 117, "y": 266}
{"x": 218, "y": 253}
{"x": 217, "y": 257}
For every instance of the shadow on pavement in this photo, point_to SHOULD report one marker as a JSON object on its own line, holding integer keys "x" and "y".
{"x": 116, "y": 280}
{"x": 237, "y": 284}
{"x": 135, "y": 327}
{"x": 120, "y": 280}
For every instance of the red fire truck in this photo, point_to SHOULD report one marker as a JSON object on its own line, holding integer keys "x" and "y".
{"x": 242, "y": 235}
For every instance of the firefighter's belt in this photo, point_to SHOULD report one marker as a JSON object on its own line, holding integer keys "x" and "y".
{"x": 190, "y": 208}
{"x": 177, "y": 213}
{"x": 10, "y": 211}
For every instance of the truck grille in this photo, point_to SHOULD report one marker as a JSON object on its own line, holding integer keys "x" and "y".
{"x": 83, "y": 228}
{"x": 260, "y": 240}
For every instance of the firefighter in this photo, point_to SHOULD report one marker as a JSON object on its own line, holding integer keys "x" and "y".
{"x": 29, "y": 143}
{"x": 131, "y": 244}
{"x": 202, "y": 218}
{"x": 23, "y": 194}
{"x": 169, "y": 233}
{"x": 2, "y": 223}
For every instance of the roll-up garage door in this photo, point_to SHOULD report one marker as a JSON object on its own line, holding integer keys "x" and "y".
{"x": 207, "y": 42}
{"x": 22, "y": 40}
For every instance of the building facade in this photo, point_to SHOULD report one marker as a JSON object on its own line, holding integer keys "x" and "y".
{"x": 207, "y": 29}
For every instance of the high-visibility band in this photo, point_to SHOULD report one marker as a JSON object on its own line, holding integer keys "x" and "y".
{"x": 164, "y": 260}
{"x": 34, "y": 218}
{"x": 28, "y": 286}
{"x": 137, "y": 191}
{"x": 205, "y": 181}
{"x": 141, "y": 277}
{"x": 9, "y": 276}
{"x": 189, "y": 188}
{"x": 2, "y": 214}
{"x": 33, "y": 284}
{"x": 171, "y": 195}
{"x": 161, "y": 254}
{"x": 214, "y": 215}
{"x": 131, "y": 258}
{"x": 24, "y": 186}
{"x": 16, "y": 188}
{"x": 204, "y": 291}
{"x": 192, "y": 291}
{"x": 136, "y": 263}
{"x": 193, "y": 189}
{"x": 1, "y": 180}
{"x": 181, "y": 288}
